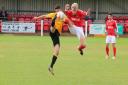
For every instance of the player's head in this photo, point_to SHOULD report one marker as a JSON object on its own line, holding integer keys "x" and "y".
{"x": 67, "y": 6}
{"x": 57, "y": 8}
{"x": 110, "y": 16}
{"x": 74, "y": 6}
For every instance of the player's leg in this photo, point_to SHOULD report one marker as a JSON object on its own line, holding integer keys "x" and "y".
{"x": 114, "y": 47}
{"x": 108, "y": 40}
{"x": 56, "y": 49}
{"x": 78, "y": 31}
{"x": 114, "y": 51}
{"x": 107, "y": 50}
{"x": 80, "y": 34}
{"x": 81, "y": 37}
{"x": 54, "y": 57}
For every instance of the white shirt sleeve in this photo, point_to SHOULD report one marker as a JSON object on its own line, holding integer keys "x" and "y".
{"x": 60, "y": 15}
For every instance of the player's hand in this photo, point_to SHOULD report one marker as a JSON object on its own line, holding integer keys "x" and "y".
{"x": 88, "y": 11}
{"x": 117, "y": 36}
{"x": 35, "y": 18}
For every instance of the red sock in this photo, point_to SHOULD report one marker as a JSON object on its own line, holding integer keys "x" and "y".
{"x": 82, "y": 47}
{"x": 107, "y": 50}
{"x": 114, "y": 51}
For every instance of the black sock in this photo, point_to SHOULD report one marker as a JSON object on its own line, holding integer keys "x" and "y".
{"x": 54, "y": 58}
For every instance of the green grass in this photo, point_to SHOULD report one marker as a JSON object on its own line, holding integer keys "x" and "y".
{"x": 24, "y": 61}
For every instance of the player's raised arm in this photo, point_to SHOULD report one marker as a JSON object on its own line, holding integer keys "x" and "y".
{"x": 88, "y": 11}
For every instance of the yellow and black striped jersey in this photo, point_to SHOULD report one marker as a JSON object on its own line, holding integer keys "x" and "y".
{"x": 59, "y": 21}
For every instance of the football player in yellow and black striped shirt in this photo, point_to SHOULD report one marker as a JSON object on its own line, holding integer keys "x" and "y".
{"x": 56, "y": 27}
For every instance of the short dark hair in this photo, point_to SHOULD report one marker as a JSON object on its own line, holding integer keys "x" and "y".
{"x": 57, "y": 7}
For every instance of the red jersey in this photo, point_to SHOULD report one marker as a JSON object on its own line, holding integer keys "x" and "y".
{"x": 77, "y": 18}
{"x": 111, "y": 27}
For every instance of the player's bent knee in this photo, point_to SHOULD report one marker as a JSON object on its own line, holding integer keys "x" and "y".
{"x": 56, "y": 49}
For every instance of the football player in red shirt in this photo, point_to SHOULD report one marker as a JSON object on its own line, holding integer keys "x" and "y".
{"x": 111, "y": 32}
{"x": 76, "y": 16}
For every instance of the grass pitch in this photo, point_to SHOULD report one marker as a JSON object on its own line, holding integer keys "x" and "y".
{"x": 24, "y": 60}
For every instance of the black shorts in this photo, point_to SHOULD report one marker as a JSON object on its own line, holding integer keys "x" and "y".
{"x": 55, "y": 37}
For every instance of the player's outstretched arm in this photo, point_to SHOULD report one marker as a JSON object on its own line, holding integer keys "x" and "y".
{"x": 42, "y": 16}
